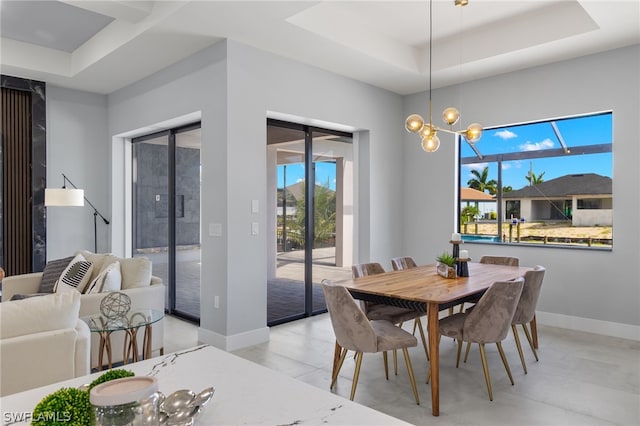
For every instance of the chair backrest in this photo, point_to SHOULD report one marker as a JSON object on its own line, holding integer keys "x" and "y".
{"x": 500, "y": 260}
{"x": 400, "y": 263}
{"x": 364, "y": 269}
{"x": 490, "y": 319}
{"x": 352, "y": 328}
{"x": 526, "y": 309}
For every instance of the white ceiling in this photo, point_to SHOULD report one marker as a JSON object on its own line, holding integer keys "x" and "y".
{"x": 101, "y": 46}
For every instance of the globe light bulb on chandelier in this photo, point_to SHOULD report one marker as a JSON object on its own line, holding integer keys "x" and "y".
{"x": 427, "y": 130}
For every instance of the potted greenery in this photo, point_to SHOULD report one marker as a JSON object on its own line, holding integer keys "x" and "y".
{"x": 446, "y": 265}
{"x": 71, "y": 406}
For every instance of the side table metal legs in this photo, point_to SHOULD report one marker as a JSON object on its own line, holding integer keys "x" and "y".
{"x": 105, "y": 346}
{"x": 131, "y": 344}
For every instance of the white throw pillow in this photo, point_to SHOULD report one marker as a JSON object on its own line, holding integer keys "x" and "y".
{"x": 76, "y": 275}
{"x": 99, "y": 260}
{"x": 110, "y": 279}
{"x": 136, "y": 272}
{"x": 38, "y": 314}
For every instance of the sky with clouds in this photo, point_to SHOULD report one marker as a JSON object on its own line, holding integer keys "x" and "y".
{"x": 577, "y": 131}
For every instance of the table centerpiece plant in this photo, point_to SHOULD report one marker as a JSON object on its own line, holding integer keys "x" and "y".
{"x": 446, "y": 265}
{"x": 71, "y": 406}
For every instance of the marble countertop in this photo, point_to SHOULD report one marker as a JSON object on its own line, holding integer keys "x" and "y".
{"x": 246, "y": 393}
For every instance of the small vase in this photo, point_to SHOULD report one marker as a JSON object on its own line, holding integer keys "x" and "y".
{"x": 445, "y": 270}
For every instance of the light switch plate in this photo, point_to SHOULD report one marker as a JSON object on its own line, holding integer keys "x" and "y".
{"x": 215, "y": 229}
{"x": 255, "y": 207}
{"x": 254, "y": 228}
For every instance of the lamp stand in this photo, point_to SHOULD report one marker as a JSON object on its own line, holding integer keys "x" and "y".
{"x": 96, "y": 213}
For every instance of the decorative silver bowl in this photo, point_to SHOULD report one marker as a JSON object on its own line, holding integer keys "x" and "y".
{"x": 182, "y": 407}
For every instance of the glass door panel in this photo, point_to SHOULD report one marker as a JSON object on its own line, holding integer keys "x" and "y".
{"x": 187, "y": 208}
{"x": 330, "y": 155}
{"x": 286, "y": 286}
{"x": 151, "y": 205}
{"x": 307, "y": 250}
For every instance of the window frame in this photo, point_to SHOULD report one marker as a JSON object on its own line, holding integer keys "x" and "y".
{"x": 499, "y": 158}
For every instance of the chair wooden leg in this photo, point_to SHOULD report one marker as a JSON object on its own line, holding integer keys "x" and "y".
{"x": 517, "y": 339}
{"x": 395, "y": 362}
{"x": 407, "y": 360}
{"x": 336, "y": 357}
{"x": 485, "y": 368}
{"x": 505, "y": 362}
{"x": 531, "y": 342}
{"x": 534, "y": 331}
{"x": 334, "y": 378}
{"x": 418, "y": 323}
{"x": 386, "y": 365}
{"x": 466, "y": 352}
{"x": 459, "y": 351}
{"x": 356, "y": 374}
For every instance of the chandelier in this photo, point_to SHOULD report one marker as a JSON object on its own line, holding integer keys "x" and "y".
{"x": 427, "y": 131}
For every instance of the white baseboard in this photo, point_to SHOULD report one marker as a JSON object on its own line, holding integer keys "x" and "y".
{"x": 614, "y": 329}
{"x": 237, "y": 341}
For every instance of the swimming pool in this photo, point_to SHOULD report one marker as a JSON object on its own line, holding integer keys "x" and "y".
{"x": 488, "y": 238}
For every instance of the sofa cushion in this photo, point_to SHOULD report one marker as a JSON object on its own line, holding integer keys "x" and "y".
{"x": 136, "y": 272}
{"x": 109, "y": 279}
{"x": 76, "y": 275}
{"x": 100, "y": 261}
{"x": 26, "y": 296}
{"x": 38, "y": 314}
{"x": 52, "y": 272}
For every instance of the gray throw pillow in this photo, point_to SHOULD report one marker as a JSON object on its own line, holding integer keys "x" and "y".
{"x": 51, "y": 273}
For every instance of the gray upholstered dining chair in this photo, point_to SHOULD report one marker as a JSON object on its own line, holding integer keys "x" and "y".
{"x": 379, "y": 311}
{"x": 400, "y": 264}
{"x": 355, "y": 332}
{"x": 493, "y": 260}
{"x": 526, "y": 310}
{"x": 500, "y": 260}
{"x": 488, "y": 322}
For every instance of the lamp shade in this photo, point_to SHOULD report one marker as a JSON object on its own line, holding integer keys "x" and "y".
{"x": 63, "y": 197}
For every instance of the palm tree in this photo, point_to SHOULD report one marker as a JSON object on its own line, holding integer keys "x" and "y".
{"x": 479, "y": 181}
{"x": 533, "y": 179}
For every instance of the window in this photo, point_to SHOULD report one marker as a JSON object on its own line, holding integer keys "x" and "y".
{"x": 546, "y": 182}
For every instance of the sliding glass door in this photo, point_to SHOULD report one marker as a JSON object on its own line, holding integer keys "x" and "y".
{"x": 310, "y": 239}
{"x": 166, "y": 213}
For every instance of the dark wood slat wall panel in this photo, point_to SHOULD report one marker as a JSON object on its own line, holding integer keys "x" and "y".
{"x": 31, "y": 119}
{"x": 16, "y": 181}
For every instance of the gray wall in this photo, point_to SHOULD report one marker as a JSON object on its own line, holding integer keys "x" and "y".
{"x": 77, "y": 145}
{"x": 579, "y": 283}
{"x": 234, "y": 87}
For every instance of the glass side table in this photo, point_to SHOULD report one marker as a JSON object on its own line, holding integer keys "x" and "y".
{"x": 130, "y": 323}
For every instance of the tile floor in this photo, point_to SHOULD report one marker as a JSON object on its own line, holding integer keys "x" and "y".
{"x": 581, "y": 379}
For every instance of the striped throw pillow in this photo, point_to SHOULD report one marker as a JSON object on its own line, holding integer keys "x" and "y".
{"x": 76, "y": 276}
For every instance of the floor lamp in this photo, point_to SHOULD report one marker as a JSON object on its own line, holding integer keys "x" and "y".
{"x": 68, "y": 197}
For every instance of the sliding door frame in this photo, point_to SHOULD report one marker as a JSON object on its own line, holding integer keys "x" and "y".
{"x": 309, "y": 221}
{"x": 171, "y": 206}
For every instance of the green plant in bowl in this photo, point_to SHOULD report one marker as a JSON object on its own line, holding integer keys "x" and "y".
{"x": 66, "y": 406}
{"x": 110, "y": 375}
{"x": 71, "y": 406}
{"x": 446, "y": 259}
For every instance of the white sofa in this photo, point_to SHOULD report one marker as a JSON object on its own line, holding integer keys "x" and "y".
{"x": 149, "y": 295}
{"x": 42, "y": 341}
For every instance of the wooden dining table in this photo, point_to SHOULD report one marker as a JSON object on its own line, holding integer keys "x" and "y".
{"x": 422, "y": 289}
